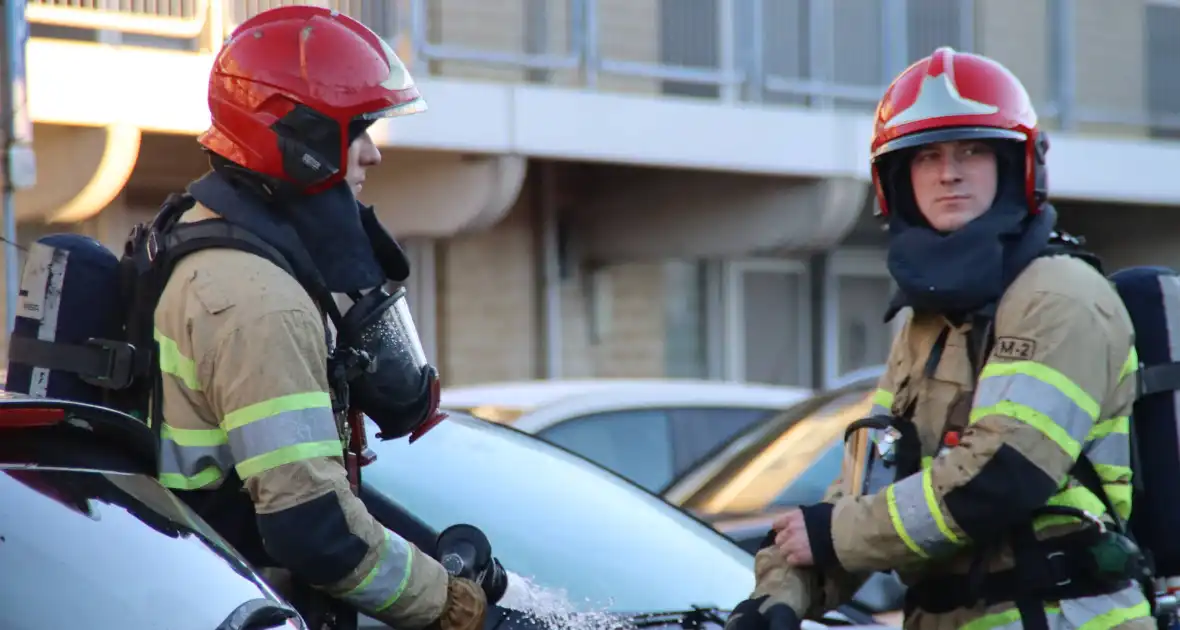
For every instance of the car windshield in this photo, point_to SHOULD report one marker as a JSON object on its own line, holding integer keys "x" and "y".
{"x": 789, "y": 460}
{"x": 560, "y": 520}
{"x": 90, "y": 549}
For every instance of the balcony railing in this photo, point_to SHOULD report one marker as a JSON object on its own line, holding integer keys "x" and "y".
{"x": 1093, "y": 64}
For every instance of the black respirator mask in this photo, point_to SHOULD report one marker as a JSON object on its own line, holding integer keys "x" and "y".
{"x": 389, "y": 379}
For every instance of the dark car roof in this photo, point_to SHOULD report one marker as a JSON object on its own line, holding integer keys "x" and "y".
{"x": 98, "y": 541}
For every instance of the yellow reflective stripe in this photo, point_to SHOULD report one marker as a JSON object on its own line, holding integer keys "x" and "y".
{"x": 174, "y": 363}
{"x": 917, "y": 517}
{"x": 1040, "y": 397}
{"x": 1130, "y": 365}
{"x": 192, "y": 458}
{"x": 1075, "y": 497}
{"x": 1046, "y": 375}
{"x": 387, "y": 580}
{"x": 1103, "y": 428}
{"x": 1035, "y": 419}
{"x": 178, "y": 481}
{"x": 1101, "y": 612}
{"x": 883, "y": 398}
{"x": 288, "y": 454}
{"x": 291, "y": 402}
{"x": 1120, "y": 497}
{"x": 1115, "y": 618}
{"x": 1006, "y": 618}
{"x": 1110, "y": 452}
{"x": 193, "y": 437}
{"x": 282, "y": 430}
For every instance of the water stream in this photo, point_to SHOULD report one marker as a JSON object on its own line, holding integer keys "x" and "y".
{"x": 552, "y": 609}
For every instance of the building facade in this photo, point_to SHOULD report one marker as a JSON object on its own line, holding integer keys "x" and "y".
{"x": 610, "y": 188}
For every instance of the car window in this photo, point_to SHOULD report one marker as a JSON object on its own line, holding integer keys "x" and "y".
{"x": 111, "y": 550}
{"x": 789, "y": 458}
{"x": 697, "y": 432}
{"x": 561, "y": 521}
{"x": 811, "y": 485}
{"x": 636, "y": 443}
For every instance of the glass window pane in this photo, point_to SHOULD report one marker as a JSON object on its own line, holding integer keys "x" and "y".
{"x": 772, "y": 305}
{"x": 696, "y": 432}
{"x": 864, "y": 339}
{"x": 636, "y": 444}
{"x": 684, "y": 320}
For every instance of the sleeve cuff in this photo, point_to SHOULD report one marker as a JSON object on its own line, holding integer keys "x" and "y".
{"x": 818, "y": 520}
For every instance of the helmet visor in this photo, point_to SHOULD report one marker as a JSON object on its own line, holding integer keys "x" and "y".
{"x": 950, "y": 134}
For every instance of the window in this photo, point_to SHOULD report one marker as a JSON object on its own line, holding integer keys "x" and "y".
{"x": 767, "y": 322}
{"x": 934, "y": 23}
{"x": 857, "y": 292}
{"x": 1163, "y": 82}
{"x": 685, "y": 354}
{"x": 697, "y": 432}
{"x": 794, "y": 456}
{"x": 688, "y": 33}
{"x": 636, "y": 444}
{"x": 810, "y": 486}
{"x": 838, "y": 45}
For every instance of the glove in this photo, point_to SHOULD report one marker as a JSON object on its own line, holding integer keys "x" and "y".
{"x": 780, "y": 593}
{"x": 466, "y": 606}
{"x": 762, "y": 613}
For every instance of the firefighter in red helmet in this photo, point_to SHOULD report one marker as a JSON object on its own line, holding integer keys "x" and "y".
{"x": 271, "y": 340}
{"x": 1017, "y": 357}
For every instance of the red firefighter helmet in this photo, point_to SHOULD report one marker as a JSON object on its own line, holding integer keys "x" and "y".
{"x": 294, "y": 85}
{"x": 954, "y": 95}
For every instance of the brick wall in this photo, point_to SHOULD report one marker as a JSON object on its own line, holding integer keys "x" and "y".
{"x": 489, "y": 317}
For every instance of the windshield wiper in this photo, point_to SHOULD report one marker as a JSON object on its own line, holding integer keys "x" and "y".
{"x": 258, "y": 614}
{"x": 694, "y": 619}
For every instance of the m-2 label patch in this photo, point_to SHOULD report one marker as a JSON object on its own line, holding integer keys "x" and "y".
{"x": 1014, "y": 348}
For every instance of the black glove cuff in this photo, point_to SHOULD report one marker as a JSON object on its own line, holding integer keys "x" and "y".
{"x": 818, "y": 520}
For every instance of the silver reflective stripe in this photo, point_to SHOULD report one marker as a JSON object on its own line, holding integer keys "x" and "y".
{"x": 1112, "y": 449}
{"x": 192, "y": 458}
{"x": 282, "y": 430}
{"x": 387, "y": 580}
{"x": 879, "y": 410}
{"x": 1101, "y": 612}
{"x": 917, "y": 511}
{"x": 1039, "y": 396}
{"x": 1104, "y": 611}
{"x": 40, "y": 300}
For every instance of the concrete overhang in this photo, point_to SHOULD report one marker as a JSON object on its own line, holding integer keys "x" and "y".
{"x": 80, "y": 170}
{"x": 416, "y": 193}
{"x": 654, "y": 214}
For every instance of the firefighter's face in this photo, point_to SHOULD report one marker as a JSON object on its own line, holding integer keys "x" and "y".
{"x": 362, "y": 154}
{"x": 954, "y": 182}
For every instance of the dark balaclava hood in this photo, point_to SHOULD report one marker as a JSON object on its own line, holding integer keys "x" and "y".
{"x": 330, "y": 225}
{"x": 968, "y": 270}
